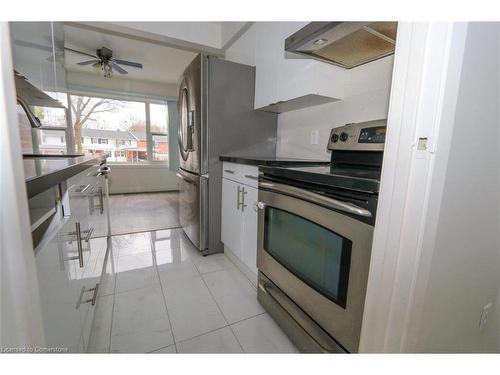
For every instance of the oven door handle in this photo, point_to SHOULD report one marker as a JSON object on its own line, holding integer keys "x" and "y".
{"x": 315, "y": 198}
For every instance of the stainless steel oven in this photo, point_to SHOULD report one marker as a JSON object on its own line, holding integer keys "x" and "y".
{"x": 315, "y": 228}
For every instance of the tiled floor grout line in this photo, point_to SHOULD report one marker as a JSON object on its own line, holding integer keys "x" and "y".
{"x": 110, "y": 254}
{"x": 216, "y": 329}
{"x": 166, "y": 307}
{"x": 139, "y": 231}
{"x": 217, "y": 304}
{"x": 165, "y": 302}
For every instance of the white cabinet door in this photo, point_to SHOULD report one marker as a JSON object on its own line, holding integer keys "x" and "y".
{"x": 59, "y": 294}
{"x": 231, "y": 217}
{"x": 268, "y": 53}
{"x": 33, "y": 53}
{"x": 249, "y": 229}
{"x": 283, "y": 77}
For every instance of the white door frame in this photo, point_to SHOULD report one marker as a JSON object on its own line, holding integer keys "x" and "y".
{"x": 427, "y": 68}
{"x": 20, "y": 312}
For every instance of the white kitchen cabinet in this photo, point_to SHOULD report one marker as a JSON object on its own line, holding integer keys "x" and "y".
{"x": 267, "y": 57}
{"x": 69, "y": 279}
{"x": 286, "y": 82}
{"x": 58, "y": 296}
{"x": 249, "y": 229}
{"x": 239, "y": 215}
{"x": 33, "y": 53}
{"x": 231, "y": 216}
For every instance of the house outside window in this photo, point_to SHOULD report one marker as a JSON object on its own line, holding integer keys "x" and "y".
{"x": 121, "y": 129}
{"x": 51, "y": 137}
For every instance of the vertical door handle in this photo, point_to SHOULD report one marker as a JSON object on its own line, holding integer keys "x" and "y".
{"x": 79, "y": 244}
{"x": 238, "y": 198}
{"x": 243, "y": 205}
{"x": 101, "y": 199}
{"x": 91, "y": 202}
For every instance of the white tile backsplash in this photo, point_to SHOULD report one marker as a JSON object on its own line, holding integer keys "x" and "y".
{"x": 367, "y": 91}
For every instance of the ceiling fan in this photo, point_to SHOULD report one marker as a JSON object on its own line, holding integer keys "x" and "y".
{"x": 104, "y": 58}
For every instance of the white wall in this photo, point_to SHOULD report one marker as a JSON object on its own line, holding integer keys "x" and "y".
{"x": 140, "y": 178}
{"x": 243, "y": 49}
{"x": 464, "y": 271}
{"x": 366, "y": 98}
{"x": 230, "y": 32}
{"x": 206, "y": 33}
{"x": 214, "y": 35}
{"x": 85, "y": 82}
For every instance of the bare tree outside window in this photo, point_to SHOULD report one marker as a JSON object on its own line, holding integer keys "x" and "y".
{"x": 118, "y": 128}
{"x": 83, "y": 108}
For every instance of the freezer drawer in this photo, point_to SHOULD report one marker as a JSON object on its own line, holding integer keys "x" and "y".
{"x": 193, "y": 207}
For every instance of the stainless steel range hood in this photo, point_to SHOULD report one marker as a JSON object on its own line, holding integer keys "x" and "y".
{"x": 345, "y": 44}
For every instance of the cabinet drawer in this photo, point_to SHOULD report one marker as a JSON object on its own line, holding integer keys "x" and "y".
{"x": 241, "y": 173}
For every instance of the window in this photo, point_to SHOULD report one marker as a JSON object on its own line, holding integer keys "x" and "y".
{"x": 52, "y": 116}
{"x": 160, "y": 148}
{"x": 111, "y": 125}
{"x": 159, "y": 118}
{"x": 159, "y": 131}
{"x": 50, "y": 138}
{"x": 52, "y": 141}
{"x": 120, "y": 128}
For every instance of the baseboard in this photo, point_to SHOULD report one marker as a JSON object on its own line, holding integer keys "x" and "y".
{"x": 249, "y": 274}
{"x": 145, "y": 192}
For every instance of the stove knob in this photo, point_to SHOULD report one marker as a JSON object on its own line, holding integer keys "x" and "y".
{"x": 335, "y": 138}
{"x": 343, "y": 136}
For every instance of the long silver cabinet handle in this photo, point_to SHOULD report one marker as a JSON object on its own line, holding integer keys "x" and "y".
{"x": 81, "y": 189}
{"x": 89, "y": 233}
{"x": 315, "y": 198}
{"x": 229, "y": 171}
{"x": 238, "y": 198}
{"x": 101, "y": 199}
{"x": 251, "y": 177}
{"x": 243, "y": 205}
{"x": 92, "y": 300}
{"x": 79, "y": 244}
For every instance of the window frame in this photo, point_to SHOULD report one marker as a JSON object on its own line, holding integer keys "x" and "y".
{"x": 149, "y": 135}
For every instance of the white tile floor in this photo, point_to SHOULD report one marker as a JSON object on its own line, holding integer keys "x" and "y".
{"x": 169, "y": 299}
{"x": 142, "y": 212}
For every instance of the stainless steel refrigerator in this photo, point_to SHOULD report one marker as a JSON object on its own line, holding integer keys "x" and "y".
{"x": 216, "y": 116}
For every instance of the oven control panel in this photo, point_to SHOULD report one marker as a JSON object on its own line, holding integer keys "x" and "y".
{"x": 361, "y": 136}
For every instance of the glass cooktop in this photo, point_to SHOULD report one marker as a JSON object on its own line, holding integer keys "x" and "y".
{"x": 363, "y": 179}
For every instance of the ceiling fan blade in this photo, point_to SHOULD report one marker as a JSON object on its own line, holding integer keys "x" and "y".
{"x": 118, "y": 68}
{"x": 80, "y": 52}
{"x": 88, "y": 62}
{"x": 128, "y": 63}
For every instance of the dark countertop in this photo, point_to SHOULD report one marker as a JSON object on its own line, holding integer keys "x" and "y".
{"x": 269, "y": 160}
{"x": 43, "y": 172}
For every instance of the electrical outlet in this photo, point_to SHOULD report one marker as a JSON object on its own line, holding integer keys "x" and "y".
{"x": 314, "y": 137}
{"x": 484, "y": 315}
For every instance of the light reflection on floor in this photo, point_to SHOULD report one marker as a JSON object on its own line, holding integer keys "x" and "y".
{"x": 168, "y": 298}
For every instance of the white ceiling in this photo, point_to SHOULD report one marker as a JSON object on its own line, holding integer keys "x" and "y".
{"x": 161, "y": 64}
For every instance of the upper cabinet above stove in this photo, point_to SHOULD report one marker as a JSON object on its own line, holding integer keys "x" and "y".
{"x": 284, "y": 81}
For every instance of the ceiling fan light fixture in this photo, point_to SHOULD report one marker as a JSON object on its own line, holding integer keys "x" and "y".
{"x": 107, "y": 70}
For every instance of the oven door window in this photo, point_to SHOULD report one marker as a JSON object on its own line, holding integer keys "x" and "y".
{"x": 313, "y": 253}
